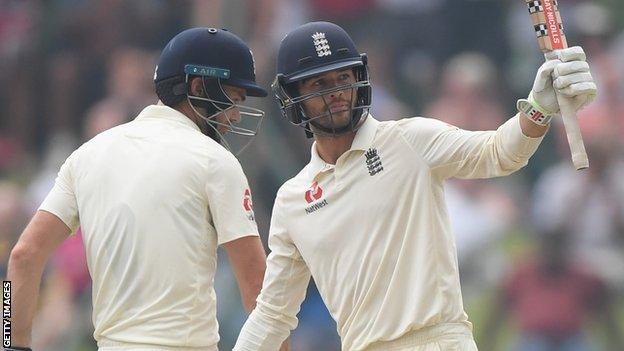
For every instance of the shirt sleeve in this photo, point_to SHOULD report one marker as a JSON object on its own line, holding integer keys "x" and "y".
{"x": 454, "y": 152}
{"x": 284, "y": 289}
{"x": 229, "y": 200}
{"x": 61, "y": 200}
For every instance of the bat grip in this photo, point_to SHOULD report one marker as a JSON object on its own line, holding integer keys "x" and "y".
{"x": 573, "y": 132}
{"x": 570, "y": 123}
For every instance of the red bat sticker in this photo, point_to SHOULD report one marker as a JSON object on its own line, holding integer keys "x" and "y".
{"x": 553, "y": 24}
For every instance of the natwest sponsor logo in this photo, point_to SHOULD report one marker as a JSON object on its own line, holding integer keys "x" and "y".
{"x": 316, "y": 206}
{"x": 314, "y": 193}
{"x": 312, "y": 196}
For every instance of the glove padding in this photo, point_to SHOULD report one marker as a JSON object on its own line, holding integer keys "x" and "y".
{"x": 566, "y": 71}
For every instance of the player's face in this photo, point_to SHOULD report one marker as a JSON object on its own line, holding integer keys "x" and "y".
{"x": 335, "y": 107}
{"x": 232, "y": 114}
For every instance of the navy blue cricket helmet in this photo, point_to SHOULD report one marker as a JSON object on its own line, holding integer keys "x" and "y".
{"x": 219, "y": 58}
{"x": 310, "y": 50}
{"x": 209, "y": 52}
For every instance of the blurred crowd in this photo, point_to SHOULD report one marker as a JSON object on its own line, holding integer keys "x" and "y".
{"x": 541, "y": 252}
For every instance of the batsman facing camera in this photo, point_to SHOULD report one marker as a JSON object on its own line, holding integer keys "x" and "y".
{"x": 386, "y": 268}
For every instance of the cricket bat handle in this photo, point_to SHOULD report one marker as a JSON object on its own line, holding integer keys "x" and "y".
{"x": 551, "y": 38}
{"x": 570, "y": 123}
{"x": 573, "y": 132}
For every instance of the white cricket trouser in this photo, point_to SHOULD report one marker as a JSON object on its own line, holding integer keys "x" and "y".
{"x": 109, "y": 345}
{"x": 441, "y": 337}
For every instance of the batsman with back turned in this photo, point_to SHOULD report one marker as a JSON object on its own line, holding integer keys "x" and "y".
{"x": 154, "y": 198}
{"x": 366, "y": 218}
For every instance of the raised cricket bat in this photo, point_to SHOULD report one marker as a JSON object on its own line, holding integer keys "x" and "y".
{"x": 550, "y": 36}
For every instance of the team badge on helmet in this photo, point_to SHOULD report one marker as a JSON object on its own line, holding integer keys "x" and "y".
{"x": 321, "y": 45}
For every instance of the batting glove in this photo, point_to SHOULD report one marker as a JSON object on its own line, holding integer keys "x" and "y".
{"x": 566, "y": 71}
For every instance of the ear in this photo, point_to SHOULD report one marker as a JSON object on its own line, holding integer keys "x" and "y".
{"x": 197, "y": 88}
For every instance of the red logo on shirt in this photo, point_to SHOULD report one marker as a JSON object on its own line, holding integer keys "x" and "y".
{"x": 314, "y": 193}
{"x": 247, "y": 204}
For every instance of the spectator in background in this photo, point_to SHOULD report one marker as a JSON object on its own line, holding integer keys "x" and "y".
{"x": 385, "y": 104}
{"x": 591, "y": 204}
{"x": 104, "y": 115}
{"x": 405, "y": 27}
{"x": 129, "y": 84}
{"x": 468, "y": 95}
{"x": 11, "y": 154}
{"x": 18, "y": 72}
{"x": 550, "y": 297}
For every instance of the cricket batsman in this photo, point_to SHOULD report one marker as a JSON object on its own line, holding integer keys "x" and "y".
{"x": 366, "y": 217}
{"x": 154, "y": 198}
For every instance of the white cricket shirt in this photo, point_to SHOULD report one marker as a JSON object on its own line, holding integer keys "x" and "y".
{"x": 374, "y": 233}
{"x": 153, "y": 197}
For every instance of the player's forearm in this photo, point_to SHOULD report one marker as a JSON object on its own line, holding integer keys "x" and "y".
{"x": 250, "y": 292}
{"x": 250, "y": 283}
{"x": 249, "y": 263}
{"x": 24, "y": 271}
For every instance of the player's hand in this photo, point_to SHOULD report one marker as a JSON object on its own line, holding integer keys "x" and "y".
{"x": 566, "y": 71}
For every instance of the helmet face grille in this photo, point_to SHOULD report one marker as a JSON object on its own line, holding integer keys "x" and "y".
{"x": 218, "y": 57}
{"x": 232, "y": 124}
{"x": 292, "y": 104}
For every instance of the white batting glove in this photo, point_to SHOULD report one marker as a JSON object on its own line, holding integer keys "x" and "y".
{"x": 567, "y": 71}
